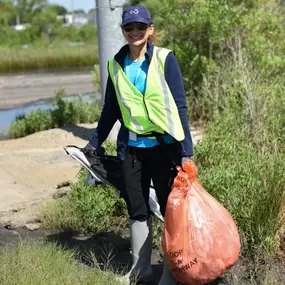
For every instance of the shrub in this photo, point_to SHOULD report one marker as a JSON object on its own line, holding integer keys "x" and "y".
{"x": 251, "y": 95}
{"x": 63, "y": 113}
{"x": 247, "y": 182}
{"x": 34, "y": 121}
{"x": 242, "y": 158}
{"x": 205, "y": 33}
{"x": 95, "y": 207}
{"x": 87, "y": 208}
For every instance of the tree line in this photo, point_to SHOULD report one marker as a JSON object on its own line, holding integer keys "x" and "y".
{"x": 41, "y": 23}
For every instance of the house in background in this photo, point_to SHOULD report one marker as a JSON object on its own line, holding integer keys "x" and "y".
{"x": 92, "y": 18}
{"x": 19, "y": 27}
{"x": 78, "y": 19}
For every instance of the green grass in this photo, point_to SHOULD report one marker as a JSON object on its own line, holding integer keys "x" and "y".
{"x": 59, "y": 55}
{"x": 242, "y": 159}
{"x": 87, "y": 208}
{"x": 249, "y": 184}
{"x": 64, "y": 113}
{"x": 48, "y": 264}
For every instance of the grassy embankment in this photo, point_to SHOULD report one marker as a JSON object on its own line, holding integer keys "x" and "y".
{"x": 48, "y": 264}
{"x": 241, "y": 158}
{"x": 241, "y": 162}
{"x": 41, "y": 57}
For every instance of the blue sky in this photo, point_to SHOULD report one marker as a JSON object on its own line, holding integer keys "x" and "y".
{"x": 86, "y": 5}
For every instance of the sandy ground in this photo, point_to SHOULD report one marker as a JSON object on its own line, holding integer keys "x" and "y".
{"x": 32, "y": 167}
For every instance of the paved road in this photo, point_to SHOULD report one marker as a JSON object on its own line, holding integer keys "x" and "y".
{"x": 17, "y": 90}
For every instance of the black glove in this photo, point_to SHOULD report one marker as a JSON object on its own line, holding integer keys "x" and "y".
{"x": 89, "y": 150}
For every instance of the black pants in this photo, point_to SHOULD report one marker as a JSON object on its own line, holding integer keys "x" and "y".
{"x": 142, "y": 165}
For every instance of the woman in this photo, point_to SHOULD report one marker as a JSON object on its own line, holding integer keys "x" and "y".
{"x": 146, "y": 93}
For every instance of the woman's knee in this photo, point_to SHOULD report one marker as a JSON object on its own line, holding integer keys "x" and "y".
{"x": 139, "y": 215}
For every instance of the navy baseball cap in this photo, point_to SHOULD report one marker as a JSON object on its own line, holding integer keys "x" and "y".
{"x": 135, "y": 14}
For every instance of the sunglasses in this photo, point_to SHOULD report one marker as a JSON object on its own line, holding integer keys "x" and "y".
{"x": 139, "y": 26}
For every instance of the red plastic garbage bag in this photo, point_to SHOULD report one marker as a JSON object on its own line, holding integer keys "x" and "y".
{"x": 200, "y": 239}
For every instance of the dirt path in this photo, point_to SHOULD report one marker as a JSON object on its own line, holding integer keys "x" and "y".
{"x": 32, "y": 167}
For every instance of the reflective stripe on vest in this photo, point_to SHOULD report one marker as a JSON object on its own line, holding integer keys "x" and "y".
{"x": 135, "y": 122}
{"x": 156, "y": 110}
{"x": 165, "y": 92}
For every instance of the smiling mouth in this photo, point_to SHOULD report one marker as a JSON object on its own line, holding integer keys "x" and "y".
{"x": 136, "y": 38}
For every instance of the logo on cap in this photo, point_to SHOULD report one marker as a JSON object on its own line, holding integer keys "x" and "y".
{"x": 136, "y": 11}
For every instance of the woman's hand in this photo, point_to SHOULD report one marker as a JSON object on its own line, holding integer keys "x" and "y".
{"x": 89, "y": 150}
{"x": 189, "y": 166}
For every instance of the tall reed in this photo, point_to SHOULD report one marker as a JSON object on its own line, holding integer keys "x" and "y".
{"x": 42, "y": 57}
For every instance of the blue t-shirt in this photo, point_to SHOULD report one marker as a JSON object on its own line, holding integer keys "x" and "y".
{"x": 136, "y": 71}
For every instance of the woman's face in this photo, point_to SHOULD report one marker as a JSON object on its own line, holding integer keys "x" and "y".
{"x": 137, "y": 33}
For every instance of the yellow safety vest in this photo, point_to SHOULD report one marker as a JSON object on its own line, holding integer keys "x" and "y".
{"x": 156, "y": 110}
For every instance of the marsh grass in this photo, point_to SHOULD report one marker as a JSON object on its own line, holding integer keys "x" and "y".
{"x": 241, "y": 158}
{"x": 59, "y": 55}
{"x": 249, "y": 184}
{"x": 63, "y": 113}
{"x": 49, "y": 264}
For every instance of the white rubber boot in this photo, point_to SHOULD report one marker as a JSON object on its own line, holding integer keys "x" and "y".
{"x": 141, "y": 244}
{"x": 166, "y": 277}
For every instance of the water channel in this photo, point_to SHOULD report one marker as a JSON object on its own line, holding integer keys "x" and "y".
{"x": 24, "y": 92}
{"x": 7, "y": 116}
